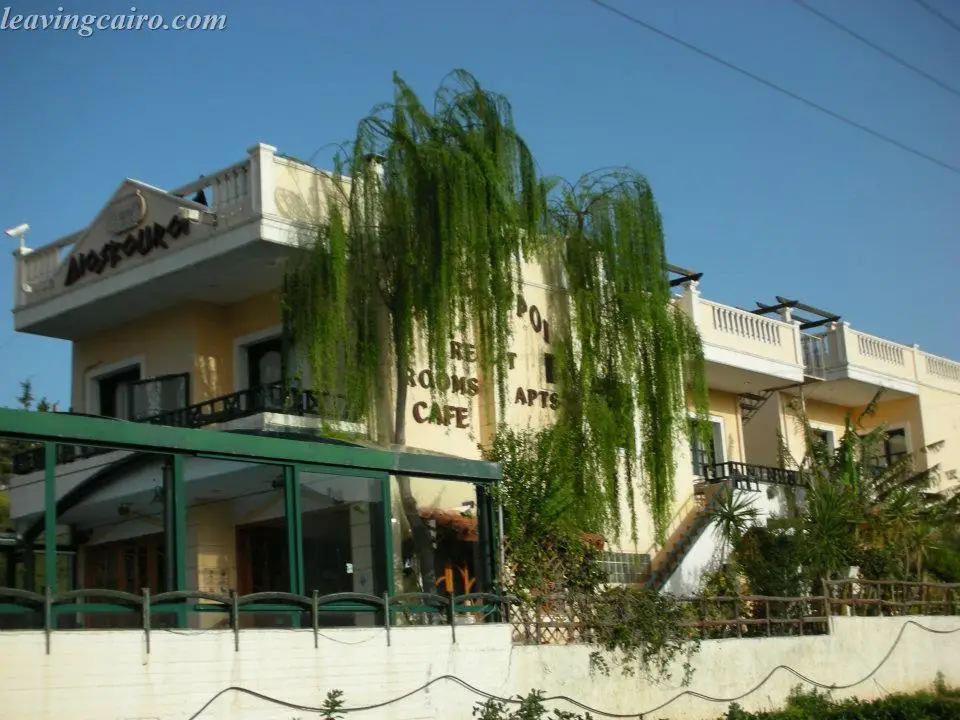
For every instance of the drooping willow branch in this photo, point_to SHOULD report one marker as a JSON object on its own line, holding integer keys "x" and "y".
{"x": 429, "y": 217}
{"x": 630, "y": 356}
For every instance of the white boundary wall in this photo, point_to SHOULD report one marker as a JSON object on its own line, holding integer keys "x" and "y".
{"x": 107, "y": 675}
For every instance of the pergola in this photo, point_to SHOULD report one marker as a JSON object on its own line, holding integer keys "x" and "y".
{"x": 175, "y": 445}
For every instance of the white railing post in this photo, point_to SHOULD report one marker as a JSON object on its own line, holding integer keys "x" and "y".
{"x": 797, "y": 342}
{"x": 262, "y": 183}
{"x": 19, "y": 276}
{"x": 840, "y": 331}
{"x": 690, "y": 301}
{"x": 916, "y": 362}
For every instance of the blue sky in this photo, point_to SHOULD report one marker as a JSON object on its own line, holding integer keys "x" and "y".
{"x": 762, "y": 194}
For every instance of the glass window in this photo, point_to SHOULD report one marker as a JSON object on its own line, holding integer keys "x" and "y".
{"x": 155, "y": 396}
{"x": 894, "y": 448}
{"x": 238, "y": 537}
{"x": 443, "y": 540}
{"x": 827, "y": 437}
{"x": 625, "y": 568}
{"x": 344, "y": 546}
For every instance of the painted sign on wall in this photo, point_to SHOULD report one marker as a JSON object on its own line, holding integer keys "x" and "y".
{"x": 112, "y": 253}
{"x": 465, "y": 385}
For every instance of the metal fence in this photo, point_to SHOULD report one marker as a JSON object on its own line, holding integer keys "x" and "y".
{"x": 173, "y": 610}
{"x": 554, "y": 620}
{"x": 566, "y": 619}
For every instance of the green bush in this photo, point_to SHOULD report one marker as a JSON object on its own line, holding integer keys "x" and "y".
{"x": 772, "y": 562}
{"x": 941, "y": 704}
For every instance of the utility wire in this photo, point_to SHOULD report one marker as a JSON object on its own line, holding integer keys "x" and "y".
{"x": 780, "y": 89}
{"x": 576, "y": 703}
{"x": 933, "y": 11}
{"x": 883, "y": 51}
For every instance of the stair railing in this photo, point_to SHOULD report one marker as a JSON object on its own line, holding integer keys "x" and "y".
{"x": 704, "y": 501}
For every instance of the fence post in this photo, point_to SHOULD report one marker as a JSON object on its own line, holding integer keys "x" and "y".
{"x": 703, "y": 617}
{"x": 736, "y": 613}
{"x": 315, "y": 617}
{"x": 145, "y": 609}
{"x": 766, "y": 604}
{"x": 386, "y": 615}
{"x": 453, "y": 617}
{"x": 536, "y": 620}
{"x": 826, "y": 606}
{"x": 47, "y": 615}
{"x": 235, "y": 619}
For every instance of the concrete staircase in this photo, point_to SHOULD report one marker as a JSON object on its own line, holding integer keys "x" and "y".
{"x": 688, "y": 530}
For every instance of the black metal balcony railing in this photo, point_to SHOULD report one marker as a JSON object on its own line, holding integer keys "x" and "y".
{"x": 235, "y": 406}
{"x": 744, "y": 476}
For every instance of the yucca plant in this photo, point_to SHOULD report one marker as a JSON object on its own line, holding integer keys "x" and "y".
{"x": 854, "y": 505}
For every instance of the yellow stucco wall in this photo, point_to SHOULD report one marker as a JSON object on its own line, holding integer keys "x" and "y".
{"x": 760, "y": 432}
{"x": 779, "y": 413}
{"x": 164, "y": 341}
{"x": 940, "y": 415}
{"x": 192, "y": 337}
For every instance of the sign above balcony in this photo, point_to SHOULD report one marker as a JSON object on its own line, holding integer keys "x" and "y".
{"x": 112, "y": 253}
{"x": 127, "y": 213}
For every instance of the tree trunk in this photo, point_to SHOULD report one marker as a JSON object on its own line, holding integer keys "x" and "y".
{"x": 422, "y": 540}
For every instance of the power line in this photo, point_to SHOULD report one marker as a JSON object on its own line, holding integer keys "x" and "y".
{"x": 933, "y": 11}
{"x": 883, "y": 51}
{"x": 780, "y": 89}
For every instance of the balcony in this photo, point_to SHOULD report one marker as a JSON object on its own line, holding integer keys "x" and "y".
{"x": 856, "y": 365}
{"x": 746, "y": 476}
{"x": 745, "y": 351}
{"x": 149, "y": 249}
{"x": 222, "y": 411}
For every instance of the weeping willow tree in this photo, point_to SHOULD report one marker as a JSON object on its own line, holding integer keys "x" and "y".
{"x": 422, "y": 244}
{"x": 432, "y": 213}
{"x": 630, "y": 361}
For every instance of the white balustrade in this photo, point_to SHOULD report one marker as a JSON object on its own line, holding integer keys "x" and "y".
{"x": 228, "y": 192}
{"x": 878, "y": 349}
{"x": 35, "y": 269}
{"x": 942, "y": 368}
{"x": 741, "y": 323}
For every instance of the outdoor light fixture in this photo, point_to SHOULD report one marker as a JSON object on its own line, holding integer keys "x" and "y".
{"x": 199, "y": 216}
{"x": 19, "y": 233}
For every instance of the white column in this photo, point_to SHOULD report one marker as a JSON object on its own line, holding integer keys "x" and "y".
{"x": 841, "y": 330}
{"x": 797, "y": 337}
{"x": 262, "y": 181}
{"x": 19, "y": 276}
{"x": 690, "y": 301}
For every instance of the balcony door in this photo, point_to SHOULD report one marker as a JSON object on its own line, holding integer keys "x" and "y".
{"x": 265, "y": 362}
{"x": 704, "y": 455}
{"x": 115, "y": 392}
